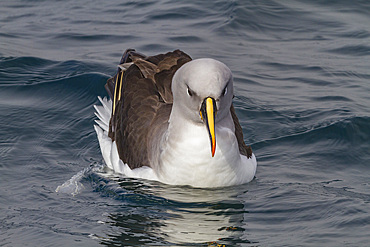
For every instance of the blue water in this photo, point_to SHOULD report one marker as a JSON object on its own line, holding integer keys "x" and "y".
{"x": 302, "y": 87}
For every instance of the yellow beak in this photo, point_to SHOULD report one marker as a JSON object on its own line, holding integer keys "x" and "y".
{"x": 208, "y": 112}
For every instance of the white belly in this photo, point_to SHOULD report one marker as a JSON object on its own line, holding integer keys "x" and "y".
{"x": 188, "y": 161}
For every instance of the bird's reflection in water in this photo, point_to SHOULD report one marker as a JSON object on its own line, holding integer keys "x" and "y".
{"x": 156, "y": 213}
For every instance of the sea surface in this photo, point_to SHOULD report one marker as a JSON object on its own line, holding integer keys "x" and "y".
{"x": 302, "y": 93}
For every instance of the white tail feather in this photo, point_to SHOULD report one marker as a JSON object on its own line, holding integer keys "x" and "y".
{"x": 105, "y": 144}
{"x": 102, "y": 125}
{"x": 102, "y": 114}
{"x": 107, "y": 104}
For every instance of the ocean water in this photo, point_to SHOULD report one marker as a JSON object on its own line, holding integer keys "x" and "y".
{"x": 302, "y": 93}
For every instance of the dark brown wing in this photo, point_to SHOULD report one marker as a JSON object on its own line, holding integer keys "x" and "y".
{"x": 243, "y": 148}
{"x": 142, "y": 102}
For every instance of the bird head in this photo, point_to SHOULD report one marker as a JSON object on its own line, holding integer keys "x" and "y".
{"x": 203, "y": 91}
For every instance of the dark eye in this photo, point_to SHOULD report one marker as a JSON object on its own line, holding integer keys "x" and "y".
{"x": 224, "y": 92}
{"x": 190, "y": 93}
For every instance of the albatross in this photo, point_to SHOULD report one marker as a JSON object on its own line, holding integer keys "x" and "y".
{"x": 171, "y": 119}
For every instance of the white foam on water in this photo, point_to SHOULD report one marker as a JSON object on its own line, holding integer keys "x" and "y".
{"x": 73, "y": 186}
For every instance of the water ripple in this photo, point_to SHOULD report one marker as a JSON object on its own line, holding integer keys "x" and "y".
{"x": 301, "y": 94}
{"x": 352, "y": 50}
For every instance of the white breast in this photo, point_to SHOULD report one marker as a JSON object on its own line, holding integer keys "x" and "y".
{"x": 186, "y": 159}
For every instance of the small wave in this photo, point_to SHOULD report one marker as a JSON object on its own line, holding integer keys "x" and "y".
{"x": 187, "y": 39}
{"x": 331, "y": 98}
{"x": 356, "y": 34}
{"x": 351, "y": 50}
{"x": 73, "y": 185}
{"x": 33, "y": 70}
{"x": 350, "y": 131}
{"x": 293, "y": 67}
{"x": 73, "y": 37}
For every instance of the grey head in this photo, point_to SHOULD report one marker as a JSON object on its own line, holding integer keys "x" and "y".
{"x": 202, "y": 93}
{"x": 199, "y": 79}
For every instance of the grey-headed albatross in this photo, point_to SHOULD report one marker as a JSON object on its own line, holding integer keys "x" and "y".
{"x": 171, "y": 119}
